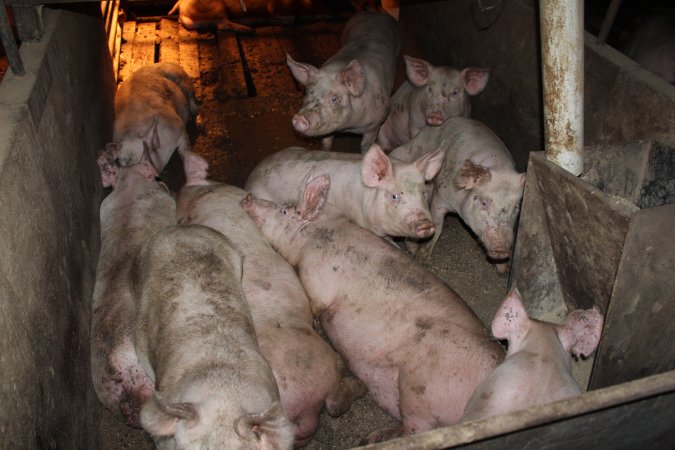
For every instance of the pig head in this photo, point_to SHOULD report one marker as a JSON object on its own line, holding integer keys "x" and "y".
{"x": 537, "y": 367}
{"x": 490, "y": 205}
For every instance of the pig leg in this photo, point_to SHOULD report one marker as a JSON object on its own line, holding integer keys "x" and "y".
{"x": 340, "y": 399}
{"x": 382, "y": 435}
{"x": 327, "y": 142}
{"x": 368, "y": 140}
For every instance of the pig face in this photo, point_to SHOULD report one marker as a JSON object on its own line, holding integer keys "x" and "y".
{"x": 401, "y": 203}
{"x": 445, "y": 90}
{"x": 208, "y": 424}
{"x": 281, "y": 223}
{"x": 327, "y": 105}
{"x": 491, "y": 206}
{"x": 129, "y": 150}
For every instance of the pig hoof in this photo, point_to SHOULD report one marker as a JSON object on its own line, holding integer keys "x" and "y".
{"x": 382, "y": 435}
{"x": 340, "y": 400}
{"x": 503, "y": 269}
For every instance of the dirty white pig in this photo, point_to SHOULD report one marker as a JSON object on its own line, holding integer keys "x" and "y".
{"x": 377, "y": 193}
{"x": 306, "y": 368}
{"x": 478, "y": 181}
{"x": 652, "y": 45}
{"x": 429, "y": 97}
{"x": 161, "y": 93}
{"x": 196, "y": 14}
{"x": 137, "y": 207}
{"x": 537, "y": 368}
{"x": 195, "y": 339}
{"x": 417, "y": 346}
{"x": 352, "y": 90}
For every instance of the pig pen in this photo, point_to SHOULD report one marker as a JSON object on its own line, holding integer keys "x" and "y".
{"x": 50, "y": 244}
{"x": 248, "y": 96}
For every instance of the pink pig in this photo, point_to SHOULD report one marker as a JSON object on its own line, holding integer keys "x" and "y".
{"x": 430, "y": 96}
{"x": 537, "y": 367}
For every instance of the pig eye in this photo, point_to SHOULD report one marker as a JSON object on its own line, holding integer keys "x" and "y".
{"x": 484, "y": 203}
{"x": 333, "y": 99}
{"x": 284, "y": 211}
{"x": 455, "y": 92}
{"x": 396, "y": 197}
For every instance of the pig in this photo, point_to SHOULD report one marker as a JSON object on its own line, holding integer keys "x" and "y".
{"x": 160, "y": 92}
{"x": 307, "y": 370}
{"x": 537, "y": 367}
{"x": 478, "y": 181}
{"x": 377, "y": 193}
{"x": 137, "y": 207}
{"x": 652, "y": 45}
{"x": 428, "y": 98}
{"x": 195, "y": 340}
{"x": 418, "y": 347}
{"x": 352, "y": 90}
{"x": 199, "y": 14}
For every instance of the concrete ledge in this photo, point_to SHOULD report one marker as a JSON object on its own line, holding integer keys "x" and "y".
{"x": 53, "y": 120}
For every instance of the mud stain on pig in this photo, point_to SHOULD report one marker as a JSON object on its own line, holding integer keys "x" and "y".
{"x": 262, "y": 284}
{"x": 423, "y": 325}
{"x": 419, "y": 390}
{"x": 324, "y": 235}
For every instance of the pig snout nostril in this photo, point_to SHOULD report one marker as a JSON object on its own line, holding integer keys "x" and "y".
{"x": 425, "y": 229}
{"x": 300, "y": 123}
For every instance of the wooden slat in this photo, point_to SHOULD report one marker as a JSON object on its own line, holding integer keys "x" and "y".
{"x": 231, "y": 79}
{"x": 639, "y": 334}
{"x": 189, "y": 56}
{"x": 168, "y": 41}
{"x": 128, "y": 36}
{"x": 143, "y": 52}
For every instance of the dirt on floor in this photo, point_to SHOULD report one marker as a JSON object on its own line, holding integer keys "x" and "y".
{"x": 247, "y": 104}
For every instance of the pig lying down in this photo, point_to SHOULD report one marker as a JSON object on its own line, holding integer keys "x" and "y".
{"x": 429, "y": 97}
{"x": 478, "y": 181}
{"x": 351, "y": 92}
{"x": 137, "y": 208}
{"x": 420, "y": 350}
{"x": 537, "y": 367}
{"x": 195, "y": 340}
{"x": 160, "y": 92}
{"x": 382, "y": 195}
{"x": 307, "y": 370}
{"x": 198, "y": 14}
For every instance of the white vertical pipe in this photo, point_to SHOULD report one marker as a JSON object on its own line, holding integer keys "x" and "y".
{"x": 562, "y": 47}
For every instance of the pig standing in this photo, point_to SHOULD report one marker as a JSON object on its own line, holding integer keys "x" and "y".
{"x": 196, "y": 14}
{"x": 420, "y": 350}
{"x": 351, "y": 92}
{"x": 160, "y": 92}
{"x": 537, "y": 367}
{"x": 306, "y": 368}
{"x": 195, "y": 340}
{"x": 381, "y": 195}
{"x": 428, "y": 98}
{"x": 137, "y": 207}
{"x": 477, "y": 181}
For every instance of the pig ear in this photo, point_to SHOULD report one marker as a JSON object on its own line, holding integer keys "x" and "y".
{"x": 471, "y": 175}
{"x": 475, "y": 79}
{"x": 431, "y": 163}
{"x": 151, "y": 135}
{"x": 417, "y": 70}
{"x": 354, "y": 78}
{"x": 511, "y": 320}
{"x": 196, "y": 169}
{"x": 302, "y": 72}
{"x": 314, "y": 197}
{"x": 581, "y": 331}
{"x": 376, "y": 166}
{"x": 107, "y": 165}
{"x": 160, "y": 419}
{"x": 270, "y": 427}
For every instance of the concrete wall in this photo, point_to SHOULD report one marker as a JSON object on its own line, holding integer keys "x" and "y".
{"x": 52, "y": 123}
{"x": 622, "y": 101}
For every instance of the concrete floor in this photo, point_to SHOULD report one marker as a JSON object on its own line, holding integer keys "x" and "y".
{"x": 238, "y": 131}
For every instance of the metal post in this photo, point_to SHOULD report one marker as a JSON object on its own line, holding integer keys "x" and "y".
{"x": 562, "y": 47}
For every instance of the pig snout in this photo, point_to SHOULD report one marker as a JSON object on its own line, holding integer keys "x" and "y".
{"x": 435, "y": 118}
{"x": 300, "y": 123}
{"x": 423, "y": 227}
